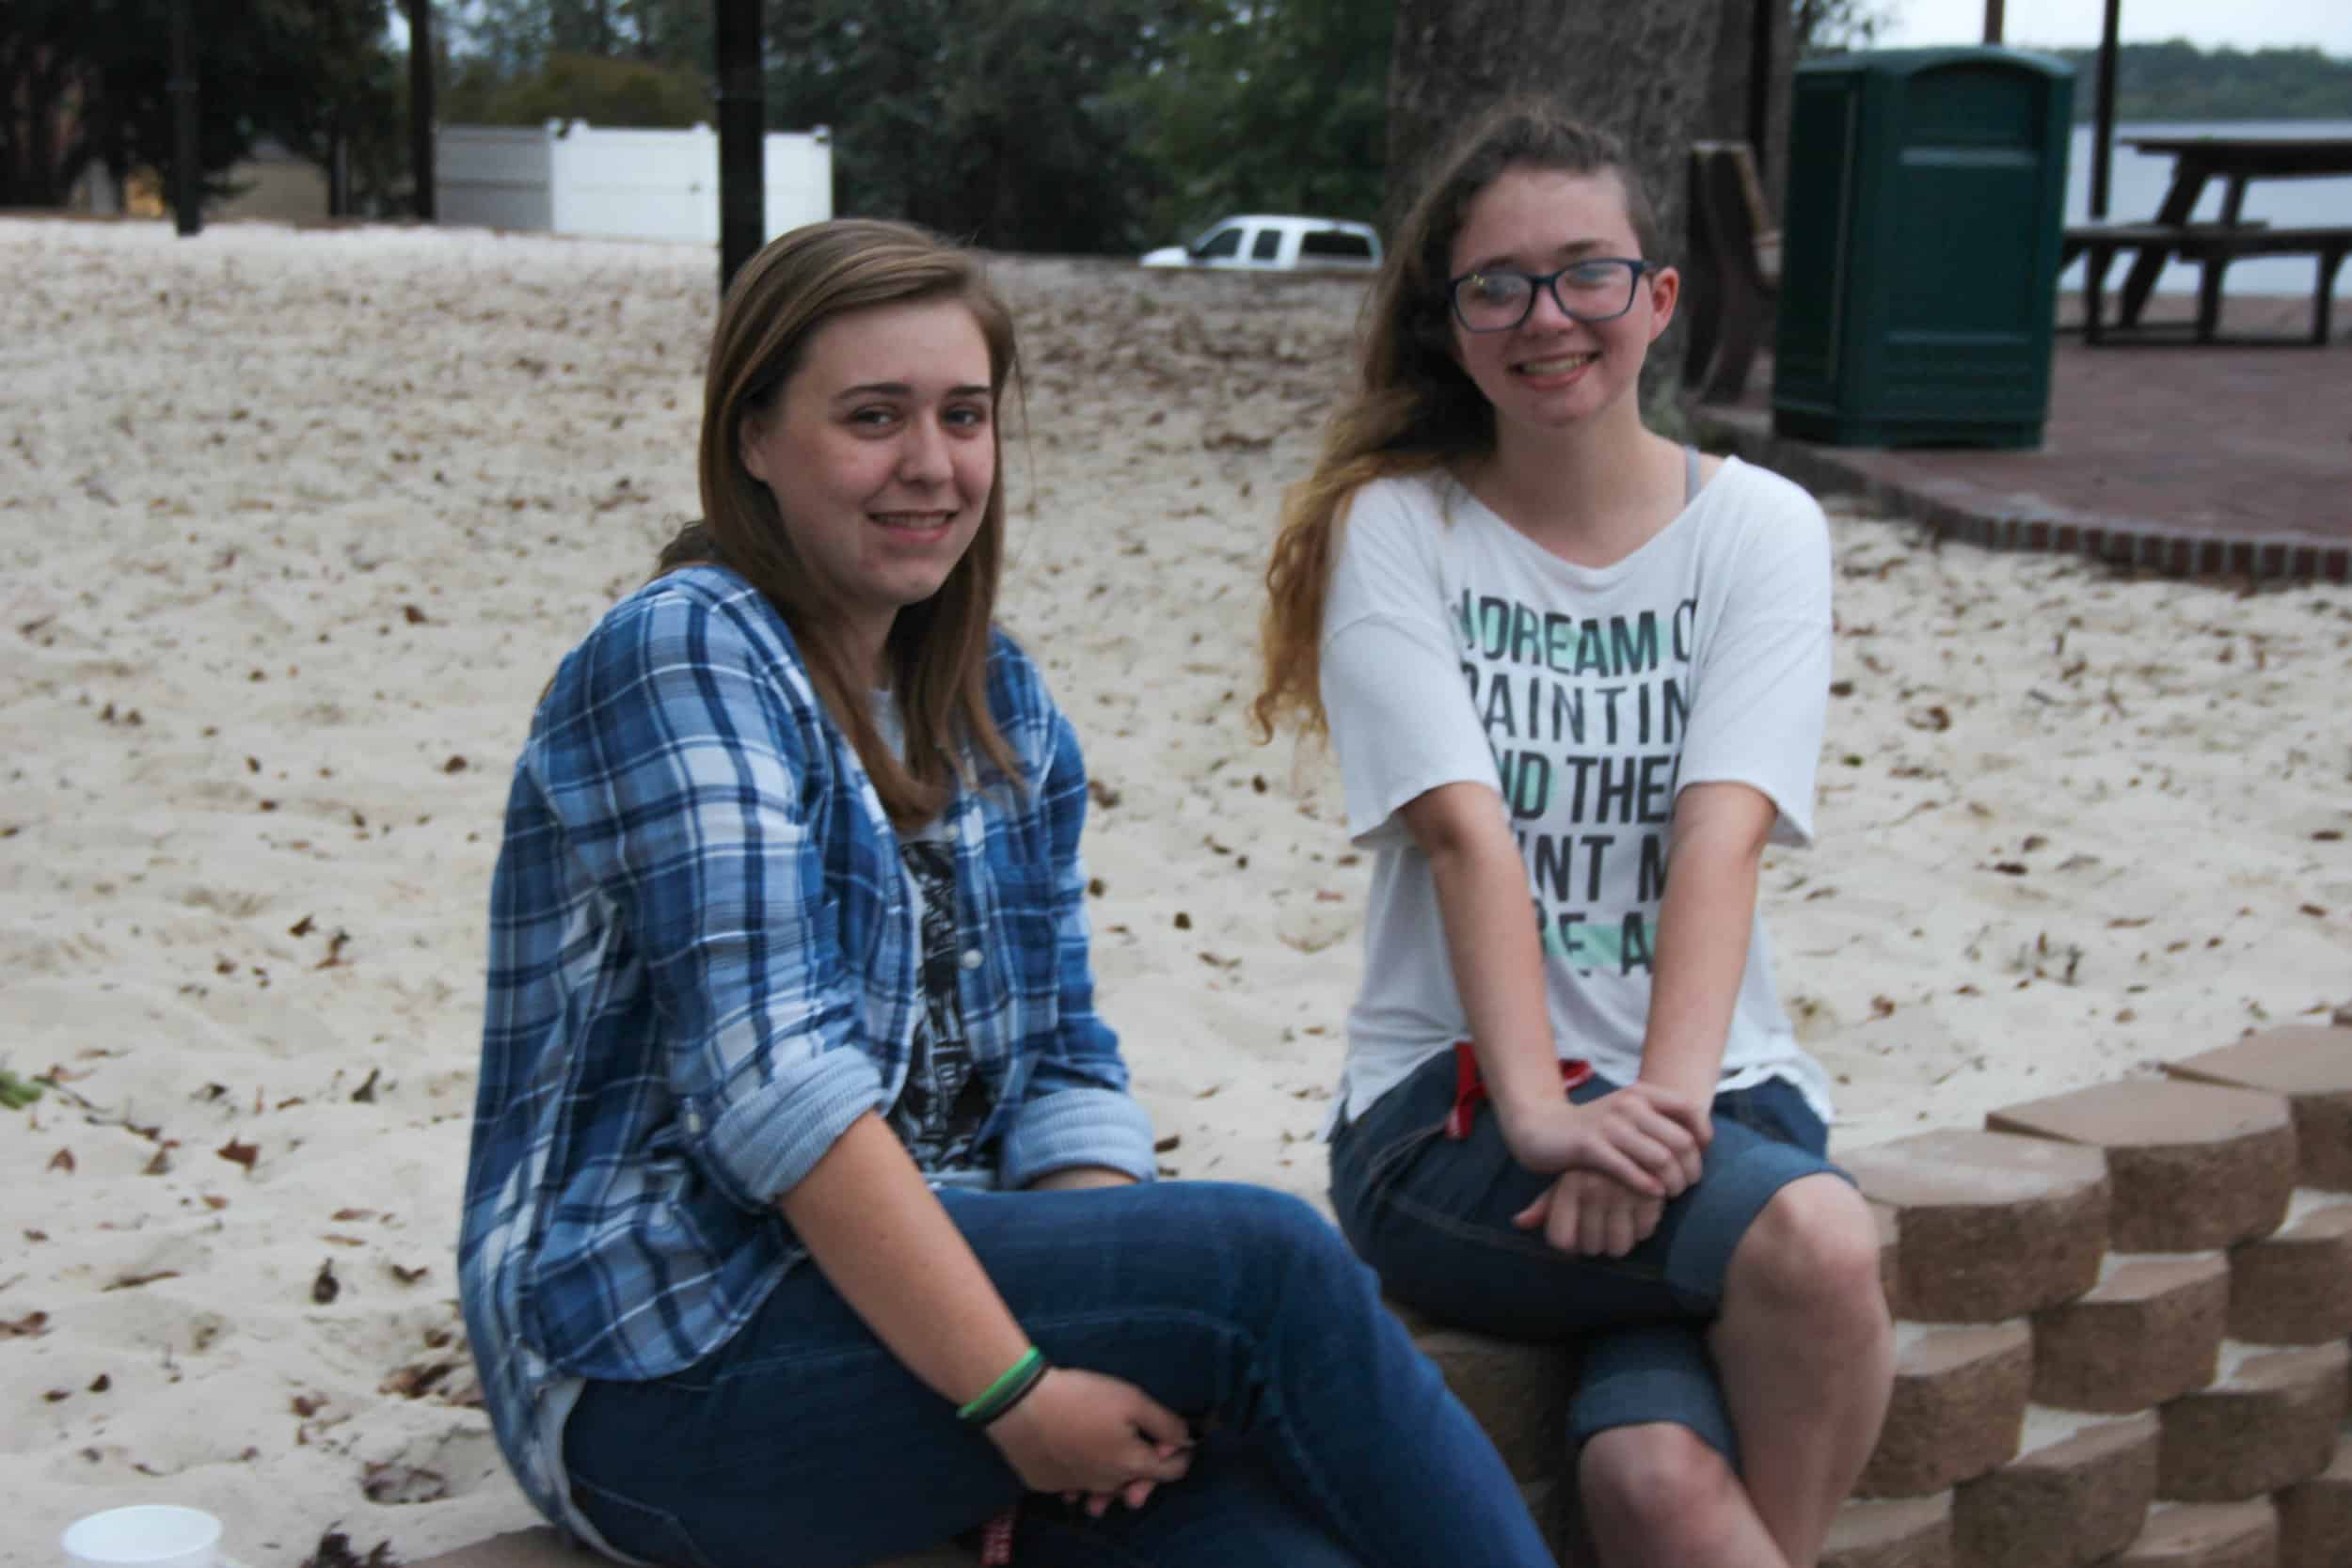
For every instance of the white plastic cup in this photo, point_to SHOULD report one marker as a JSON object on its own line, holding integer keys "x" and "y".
{"x": 152, "y": 1535}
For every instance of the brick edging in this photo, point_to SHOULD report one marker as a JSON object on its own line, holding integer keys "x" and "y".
{"x": 2154, "y": 546}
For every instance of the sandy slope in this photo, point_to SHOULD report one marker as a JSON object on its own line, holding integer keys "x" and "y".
{"x": 295, "y": 526}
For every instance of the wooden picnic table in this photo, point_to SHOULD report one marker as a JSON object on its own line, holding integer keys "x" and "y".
{"x": 2236, "y": 159}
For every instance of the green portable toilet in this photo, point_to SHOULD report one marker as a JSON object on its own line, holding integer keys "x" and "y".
{"x": 1919, "y": 248}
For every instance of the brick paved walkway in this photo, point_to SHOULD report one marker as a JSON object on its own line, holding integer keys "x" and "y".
{"x": 2180, "y": 458}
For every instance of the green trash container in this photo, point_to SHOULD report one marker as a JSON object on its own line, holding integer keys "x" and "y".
{"x": 1919, "y": 248}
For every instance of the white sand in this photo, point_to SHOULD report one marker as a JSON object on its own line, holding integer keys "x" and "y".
{"x": 295, "y": 527}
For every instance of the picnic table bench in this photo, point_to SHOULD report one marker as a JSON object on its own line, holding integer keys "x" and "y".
{"x": 2213, "y": 247}
{"x": 2197, "y": 161}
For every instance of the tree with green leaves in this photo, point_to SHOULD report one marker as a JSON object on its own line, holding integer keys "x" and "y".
{"x": 2179, "y": 81}
{"x": 514, "y": 39}
{"x": 1828, "y": 26}
{"x": 995, "y": 125}
{"x": 603, "y": 91}
{"x": 1265, "y": 106}
{"x": 88, "y": 83}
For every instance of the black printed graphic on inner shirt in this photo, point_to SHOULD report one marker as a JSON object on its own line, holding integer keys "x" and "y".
{"x": 946, "y": 1101}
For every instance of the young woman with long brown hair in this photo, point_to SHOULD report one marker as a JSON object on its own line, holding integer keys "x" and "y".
{"x": 809, "y": 1219}
{"x": 1574, "y": 678}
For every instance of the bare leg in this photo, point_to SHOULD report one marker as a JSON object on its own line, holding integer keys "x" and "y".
{"x": 1807, "y": 1355}
{"x": 1655, "y": 1496}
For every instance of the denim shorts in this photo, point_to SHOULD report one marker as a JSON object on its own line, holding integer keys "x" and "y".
{"x": 1433, "y": 1218}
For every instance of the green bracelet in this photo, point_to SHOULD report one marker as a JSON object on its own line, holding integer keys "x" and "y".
{"x": 1006, "y": 1391}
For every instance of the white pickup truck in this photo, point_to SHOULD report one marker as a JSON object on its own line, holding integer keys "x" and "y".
{"x": 1255, "y": 243}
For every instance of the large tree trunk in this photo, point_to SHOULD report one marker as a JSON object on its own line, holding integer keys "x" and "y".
{"x": 1731, "y": 111}
{"x": 1639, "y": 69}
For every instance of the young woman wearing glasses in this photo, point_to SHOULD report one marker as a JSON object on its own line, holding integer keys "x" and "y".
{"x": 1555, "y": 654}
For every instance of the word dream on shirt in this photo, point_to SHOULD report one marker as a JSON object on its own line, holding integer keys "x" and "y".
{"x": 1547, "y": 686}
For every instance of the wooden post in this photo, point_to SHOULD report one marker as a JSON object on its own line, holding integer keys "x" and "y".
{"x": 2102, "y": 140}
{"x": 421, "y": 105}
{"x": 1762, "y": 62}
{"x": 187, "y": 166}
{"x": 743, "y": 132}
{"x": 1994, "y": 20}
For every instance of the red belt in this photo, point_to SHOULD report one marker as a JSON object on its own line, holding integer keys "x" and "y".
{"x": 1469, "y": 1088}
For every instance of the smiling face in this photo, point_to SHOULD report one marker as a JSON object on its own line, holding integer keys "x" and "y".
{"x": 881, "y": 453}
{"x": 1553, "y": 371}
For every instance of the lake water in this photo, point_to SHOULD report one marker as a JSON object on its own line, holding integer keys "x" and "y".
{"x": 2137, "y": 182}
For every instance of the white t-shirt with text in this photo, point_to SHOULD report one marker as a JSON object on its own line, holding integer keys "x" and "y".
{"x": 1458, "y": 649}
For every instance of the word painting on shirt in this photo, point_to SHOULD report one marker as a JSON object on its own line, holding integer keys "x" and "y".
{"x": 1586, "y": 716}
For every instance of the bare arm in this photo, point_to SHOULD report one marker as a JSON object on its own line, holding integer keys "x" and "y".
{"x": 1719, "y": 831}
{"x": 1491, "y": 940}
{"x": 879, "y": 1233}
{"x": 884, "y": 1241}
{"x": 1647, "y": 1140}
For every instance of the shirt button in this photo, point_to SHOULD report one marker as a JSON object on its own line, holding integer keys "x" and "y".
{"x": 971, "y": 958}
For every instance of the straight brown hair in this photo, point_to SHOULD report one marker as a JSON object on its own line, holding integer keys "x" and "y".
{"x": 1413, "y": 408}
{"x": 937, "y": 651}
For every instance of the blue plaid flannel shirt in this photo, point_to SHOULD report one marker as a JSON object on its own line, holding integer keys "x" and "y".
{"x": 704, "y": 962}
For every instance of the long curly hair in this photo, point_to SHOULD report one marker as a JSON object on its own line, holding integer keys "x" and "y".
{"x": 937, "y": 651}
{"x": 1413, "y": 408}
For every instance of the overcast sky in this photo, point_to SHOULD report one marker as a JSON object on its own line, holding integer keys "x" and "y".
{"x": 2325, "y": 25}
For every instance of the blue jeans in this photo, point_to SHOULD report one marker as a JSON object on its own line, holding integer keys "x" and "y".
{"x": 1433, "y": 1217}
{"x": 1331, "y": 1441}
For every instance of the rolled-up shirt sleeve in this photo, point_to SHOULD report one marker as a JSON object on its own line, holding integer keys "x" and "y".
{"x": 678, "y": 774}
{"x": 1076, "y": 1110}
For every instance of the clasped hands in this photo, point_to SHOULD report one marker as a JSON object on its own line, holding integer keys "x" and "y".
{"x": 1619, "y": 1158}
{"x": 1093, "y": 1438}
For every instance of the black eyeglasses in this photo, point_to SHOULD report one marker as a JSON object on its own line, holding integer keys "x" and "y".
{"x": 1597, "y": 289}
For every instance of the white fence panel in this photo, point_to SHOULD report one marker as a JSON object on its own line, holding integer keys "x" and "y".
{"x": 637, "y": 184}
{"x": 575, "y": 179}
{"x": 798, "y": 168}
{"x": 494, "y": 176}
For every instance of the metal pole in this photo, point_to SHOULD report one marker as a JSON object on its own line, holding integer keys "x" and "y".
{"x": 1760, "y": 76}
{"x": 2102, "y": 140}
{"x": 187, "y": 171}
{"x": 742, "y": 129}
{"x": 1994, "y": 20}
{"x": 420, "y": 104}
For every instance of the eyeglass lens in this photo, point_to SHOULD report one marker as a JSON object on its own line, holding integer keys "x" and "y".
{"x": 1596, "y": 290}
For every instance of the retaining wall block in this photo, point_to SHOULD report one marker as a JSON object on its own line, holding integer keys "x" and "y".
{"x": 2311, "y": 1067}
{"x": 1958, "y": 1408}
{"x": 1993, "y": 1226}
{"x": 2069, "y": 1503}
{"x": 2315, "y": 1515}
{"x": 2149, "y": 1331}
{"x": 1907, "y": 1532}
{"x": 1517, "y": 1391}
{"x": 2294, "y": 1287}
{"x": 1545, "y": 1502}
{"x": 2207, "y": 1535}
{"x": 1890, "y": 1230}
{"x": 528, "y": 1549}
{"x": 2266, "y": 1423}
{"x": 2193, "y": 1167}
